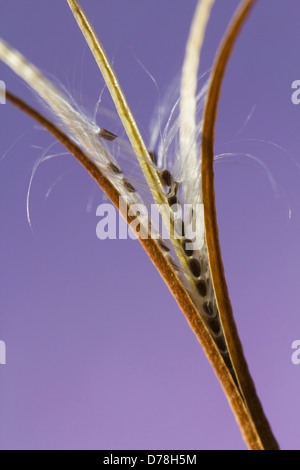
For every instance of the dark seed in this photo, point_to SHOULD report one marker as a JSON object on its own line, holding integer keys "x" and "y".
{"x": 220, "y": 342}
{"x": 195, "y": 267}
{"x": 208, "y": 308}
{"x": 166, "y": 178}
{"x": 115, "y": 169}
{"x": 129, "y": 186}
{"x": 153, "y": 156}
{"x": 107, "y": 135}
{"x": 227, "y": 360}
{"x": 172, "y": 201}
{"x": 215, "y": 326}
{"x": 188, "y": 251}
{"x": 202, "y": 288}
{"x": 163, "y": 246}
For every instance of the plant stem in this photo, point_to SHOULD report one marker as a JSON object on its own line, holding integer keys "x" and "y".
{"x": 246, "y": 384}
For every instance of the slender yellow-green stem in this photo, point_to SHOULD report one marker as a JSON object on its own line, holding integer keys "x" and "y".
{"x": 119, "y": 99}
{"x": 130, "y": 126}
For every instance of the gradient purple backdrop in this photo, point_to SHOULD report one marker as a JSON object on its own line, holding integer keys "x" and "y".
{"x": 99, "y": 355}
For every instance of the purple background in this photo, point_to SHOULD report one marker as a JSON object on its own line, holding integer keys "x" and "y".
{"x": 99, "y": 355}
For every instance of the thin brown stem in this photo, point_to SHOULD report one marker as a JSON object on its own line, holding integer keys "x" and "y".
{"x": 212, "y": 236}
